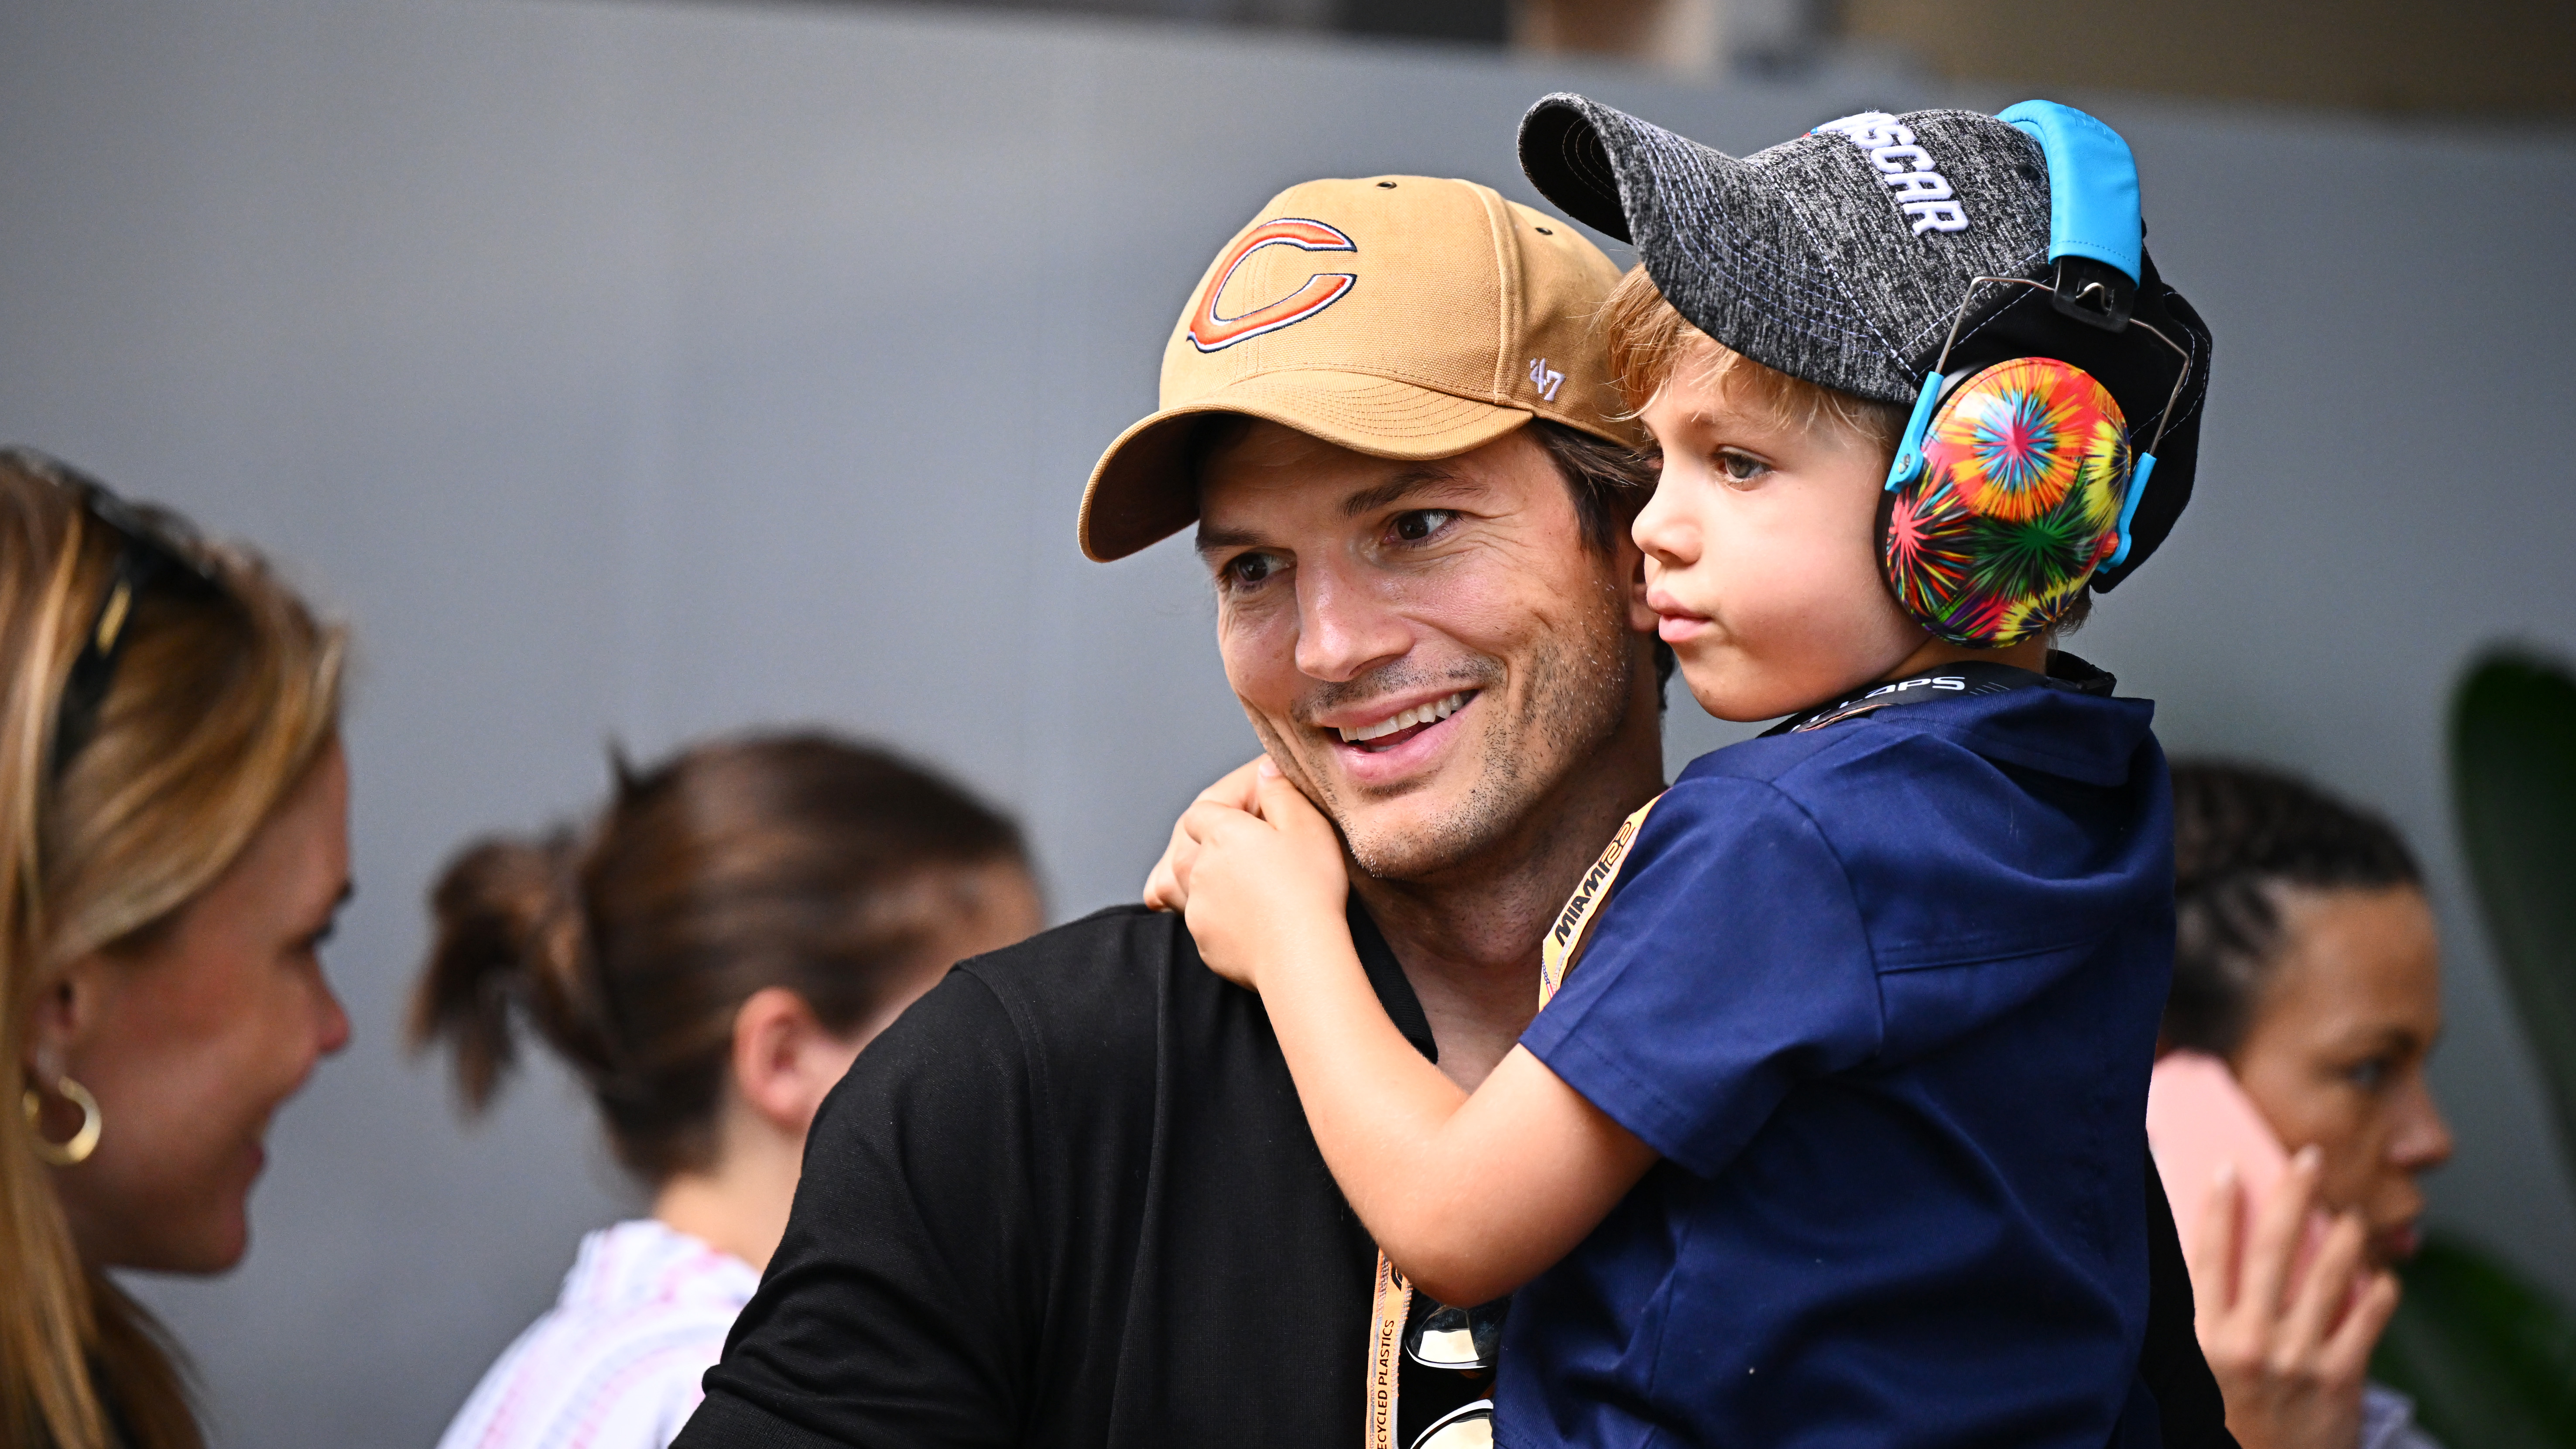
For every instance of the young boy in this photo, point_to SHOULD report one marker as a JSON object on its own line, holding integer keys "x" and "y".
{"x": 1836, "y": 1134}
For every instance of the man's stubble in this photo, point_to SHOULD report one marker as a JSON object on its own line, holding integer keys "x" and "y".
{"x": 1577, "y": 698}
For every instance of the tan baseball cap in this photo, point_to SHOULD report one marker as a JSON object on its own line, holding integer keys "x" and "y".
{"x": 1398, "y": 316}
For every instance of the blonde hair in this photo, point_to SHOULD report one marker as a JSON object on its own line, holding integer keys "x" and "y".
{"x": 224, "y": 699}
{"x": 1650, "y": 343}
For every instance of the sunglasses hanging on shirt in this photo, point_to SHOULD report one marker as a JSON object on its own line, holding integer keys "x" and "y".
{"x": 1465, "y": 1343}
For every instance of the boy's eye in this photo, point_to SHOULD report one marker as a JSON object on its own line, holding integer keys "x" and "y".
{"x": 1738, "y": 467}
{"x": 2369, "y": 1075}
{"x": 1420, "y": 524}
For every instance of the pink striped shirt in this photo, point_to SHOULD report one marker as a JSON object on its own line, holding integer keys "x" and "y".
{"x": 615, "y": 1363}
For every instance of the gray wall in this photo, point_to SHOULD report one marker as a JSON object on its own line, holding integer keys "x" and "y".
{"x": 638, "y": 371}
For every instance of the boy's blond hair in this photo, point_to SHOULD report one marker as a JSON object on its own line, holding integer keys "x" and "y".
{"x": 1650, "y": 343}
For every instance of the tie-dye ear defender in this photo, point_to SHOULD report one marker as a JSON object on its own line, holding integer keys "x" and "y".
{"x": 2020, "y": 494}
{"x": 2015, "y": 482}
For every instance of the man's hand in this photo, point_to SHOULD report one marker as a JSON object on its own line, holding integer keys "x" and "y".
{"x": 1262, "y": 888}
{"x": 2290, "y": 1356}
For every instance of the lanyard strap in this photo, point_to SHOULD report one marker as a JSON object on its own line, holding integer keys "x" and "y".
{"x": 1390, "y": 1301}
{"x": 1564, "y": 941}
{"x": 1963, "y": 680}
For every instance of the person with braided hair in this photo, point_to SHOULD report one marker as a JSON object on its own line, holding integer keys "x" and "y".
{"x": 2307, "y": 966}
{"x": 709, "y": 956}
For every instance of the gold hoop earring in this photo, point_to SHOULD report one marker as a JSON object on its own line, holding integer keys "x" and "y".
{"x": 82, "y": 1143}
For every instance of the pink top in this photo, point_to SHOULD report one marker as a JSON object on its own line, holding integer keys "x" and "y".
{"x": 615, "y": 1363}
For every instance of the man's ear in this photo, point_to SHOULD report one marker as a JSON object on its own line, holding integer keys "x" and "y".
{"x": 1641, "y": 620}
{"x": 784, "y": 1061}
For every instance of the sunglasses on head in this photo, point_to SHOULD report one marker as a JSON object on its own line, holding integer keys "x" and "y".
{"x": 152, "y": 551}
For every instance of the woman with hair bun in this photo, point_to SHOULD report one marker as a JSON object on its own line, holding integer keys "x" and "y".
{"x": 709, "y": 956}
{"x": 173, "y": 849}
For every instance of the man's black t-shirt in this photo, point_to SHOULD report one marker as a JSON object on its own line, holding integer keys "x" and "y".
{"x": 1069, "y": 1198}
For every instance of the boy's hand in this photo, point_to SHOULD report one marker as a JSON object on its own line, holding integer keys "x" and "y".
{"x": 1167, "y": 885}
{"x": 1263, "y": 889}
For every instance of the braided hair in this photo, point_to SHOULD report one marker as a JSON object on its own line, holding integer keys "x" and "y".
{"x": 2241, "y": 834}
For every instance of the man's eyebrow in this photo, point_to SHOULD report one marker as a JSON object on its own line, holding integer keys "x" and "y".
{"x": 1368, "y": 500}
{"x": 1218, "y": 540}
{"x": 1405, "y": 485}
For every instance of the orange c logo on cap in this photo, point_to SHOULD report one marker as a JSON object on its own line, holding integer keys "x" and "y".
{"x": 1211, "y": 333}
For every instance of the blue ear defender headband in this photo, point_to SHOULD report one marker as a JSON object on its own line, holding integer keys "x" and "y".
{"x": 2014, "y": 483}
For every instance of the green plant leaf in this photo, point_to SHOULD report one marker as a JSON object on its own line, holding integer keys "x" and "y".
{"x": 2513, "y": 780}
{"x": 2489, "y": 1358}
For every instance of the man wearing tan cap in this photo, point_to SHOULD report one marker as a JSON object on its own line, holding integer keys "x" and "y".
{"x": 1070, "y": 1198}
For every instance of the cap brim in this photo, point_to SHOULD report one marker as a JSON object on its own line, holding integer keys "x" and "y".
{"x": 1141, "y": 491}
{"x": 1563, "y": 156}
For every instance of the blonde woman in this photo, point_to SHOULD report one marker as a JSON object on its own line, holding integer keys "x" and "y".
{"x": 174, "y": 842}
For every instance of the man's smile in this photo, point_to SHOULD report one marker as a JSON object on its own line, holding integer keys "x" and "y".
{"x": 1392, "y": 729}
{"x": 1393, "y": 739}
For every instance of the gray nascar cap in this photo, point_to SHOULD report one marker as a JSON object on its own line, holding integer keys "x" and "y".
{"x": 1842, "y": 257}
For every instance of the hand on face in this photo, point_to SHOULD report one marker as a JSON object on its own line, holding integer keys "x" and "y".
{"x": 2288, "y": 1340}
{"x": 1261, "y": 883}
{"x": 1761, "y": 548}
{"x": 2334, "y": 1061}
{"x": 192, "y": 1042}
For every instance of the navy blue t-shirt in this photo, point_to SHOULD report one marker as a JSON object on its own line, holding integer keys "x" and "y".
{"x": 1884, "y": 996}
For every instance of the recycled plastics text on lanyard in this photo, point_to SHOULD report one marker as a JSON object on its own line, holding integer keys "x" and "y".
{"x": 1392, "y": 1297}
